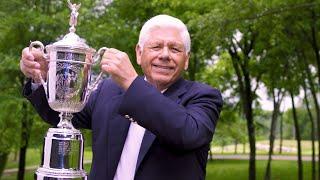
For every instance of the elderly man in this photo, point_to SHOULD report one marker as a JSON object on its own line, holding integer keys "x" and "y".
{"x": 174, "y": 118}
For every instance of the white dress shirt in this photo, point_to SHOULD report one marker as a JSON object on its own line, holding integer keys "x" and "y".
{"x": 129, "y": 156}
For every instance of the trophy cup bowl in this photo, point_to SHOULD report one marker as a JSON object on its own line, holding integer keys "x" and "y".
{"x": 67, "y": 86}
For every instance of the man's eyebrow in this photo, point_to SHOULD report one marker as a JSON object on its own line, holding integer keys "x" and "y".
{"x": 170, "y": 43}
{"x": 178, "y": 44}
{"x": 154, "y": 41}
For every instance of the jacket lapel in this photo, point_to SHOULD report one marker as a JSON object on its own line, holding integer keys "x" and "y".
{"x": 147, "y": 141}
{"x": 177, "y": 89}
{"x": 174, "y": 92}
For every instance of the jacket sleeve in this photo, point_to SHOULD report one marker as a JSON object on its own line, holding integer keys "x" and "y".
{"x": 188, "y": 125}
{"x": 40, "y": 103}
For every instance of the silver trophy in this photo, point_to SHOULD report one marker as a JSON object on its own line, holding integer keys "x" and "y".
{"x": 67, "y": 88}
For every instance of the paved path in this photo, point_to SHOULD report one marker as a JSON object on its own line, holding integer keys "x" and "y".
{"x": 262, "y": 157}
{"x": 215, "y": 156}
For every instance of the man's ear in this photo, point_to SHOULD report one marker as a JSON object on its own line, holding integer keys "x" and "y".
{"x": 186, "y": 64}
{"x": 138, "y": 54}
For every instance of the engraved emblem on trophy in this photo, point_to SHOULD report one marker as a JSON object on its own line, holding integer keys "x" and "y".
{"x": 68, "y": 86}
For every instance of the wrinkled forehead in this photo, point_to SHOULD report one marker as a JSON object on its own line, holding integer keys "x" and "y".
{"x": 168, "y": 34}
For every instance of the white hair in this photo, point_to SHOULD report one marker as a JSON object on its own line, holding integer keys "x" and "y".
{"x": 165, "y": 21}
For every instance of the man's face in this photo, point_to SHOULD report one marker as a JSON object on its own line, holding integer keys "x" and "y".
{"x": 163, "y": 57}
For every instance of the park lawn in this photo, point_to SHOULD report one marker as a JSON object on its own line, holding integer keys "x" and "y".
{"x": 217, "y": 169}
{"x": 33, "y": 158}
{"x": 262, "y": 148}
{"x": 236, "y": 170}
{"x": 34, "y": 154}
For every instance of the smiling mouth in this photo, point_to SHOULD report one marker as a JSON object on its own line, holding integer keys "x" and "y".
{"x": 163, "y": 67}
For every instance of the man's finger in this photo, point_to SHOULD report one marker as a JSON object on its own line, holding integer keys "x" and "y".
{"x": 36, "y": 73}
{"x": 113, "y": 50}
{"x": 110, "y": 68}
{"x": 28, "y": 72}
{"x": 109, "y": 55}
{"x": 31, "y": 64}
{"x": 27, "y": 55}
{"x": 35, "y": 54}
{"x": 38, "y": 55}
{"x": 107, "y": 60}
{"x": 24, "y": 70}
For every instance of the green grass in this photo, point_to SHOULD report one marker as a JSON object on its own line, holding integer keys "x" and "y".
{"x": 238, "y": 169}
{"x": 235, "y": 170}
{"x": 262, "y": 147}
{"x": 217, "y": 169}
{"x": 32, "y": 158}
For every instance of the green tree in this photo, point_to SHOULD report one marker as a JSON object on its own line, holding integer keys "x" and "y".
{"x": 244, "y": 41}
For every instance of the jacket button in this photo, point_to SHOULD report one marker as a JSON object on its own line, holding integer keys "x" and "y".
{"x": 132, "y": 120}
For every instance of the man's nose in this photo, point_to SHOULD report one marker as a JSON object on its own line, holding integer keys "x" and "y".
{"x": 165, "y": 53}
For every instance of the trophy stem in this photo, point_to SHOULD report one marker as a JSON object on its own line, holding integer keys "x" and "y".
{"x": 65, "y": 121}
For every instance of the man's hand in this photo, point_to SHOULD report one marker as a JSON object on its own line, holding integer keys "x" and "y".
{"x": 32, "y": 64}
{"x": 118, "y": 65}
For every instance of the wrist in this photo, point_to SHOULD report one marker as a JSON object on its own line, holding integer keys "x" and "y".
{"x": 35, "y": 85}
{"x": 129, "y": 82}
{"x": 33, "y": 81}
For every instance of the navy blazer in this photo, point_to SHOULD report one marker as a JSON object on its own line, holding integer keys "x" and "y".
{"x": 179, "y": 127}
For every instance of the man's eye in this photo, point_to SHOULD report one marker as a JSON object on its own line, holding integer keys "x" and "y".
{"x": 176, "y": 50}
{"x": 155, "y": 47}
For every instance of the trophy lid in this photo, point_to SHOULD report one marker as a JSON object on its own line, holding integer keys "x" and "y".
{"x": 72, "y": 40}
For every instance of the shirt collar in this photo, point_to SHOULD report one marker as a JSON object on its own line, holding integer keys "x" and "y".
{"x": 145, "y": 78}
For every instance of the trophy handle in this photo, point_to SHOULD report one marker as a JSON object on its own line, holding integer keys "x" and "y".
{"x": 97, "y": 58}
{"x": 38, "y": 43}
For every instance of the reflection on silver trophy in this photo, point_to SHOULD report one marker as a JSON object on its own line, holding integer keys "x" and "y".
{"x": 67, "y": 87}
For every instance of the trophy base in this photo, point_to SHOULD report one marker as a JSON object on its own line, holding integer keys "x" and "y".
{"x": 59, "y": 174}
{"x": 62, "y": 157}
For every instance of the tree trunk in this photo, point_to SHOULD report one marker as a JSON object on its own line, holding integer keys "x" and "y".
{"x": 241, "y": 67}
{"x": 314, "y": 43}
{"x": 281, "y": 133}
{"x": 276, "y": 105}
{"x": 25, "y": 134}
{"x": 316, "y": 104}
{"x": 250, "y": 125}
{"x": 315, "y": 47}
{"x": 297, "y": 136}
{"x": 312, "y": 134}
{"x": 24, "y": 142}
{"x": 193, "y": 68}
{"x": 252, "y": 142}
{"x": 22, "y": 162}
{"x": 3, "y": 161}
